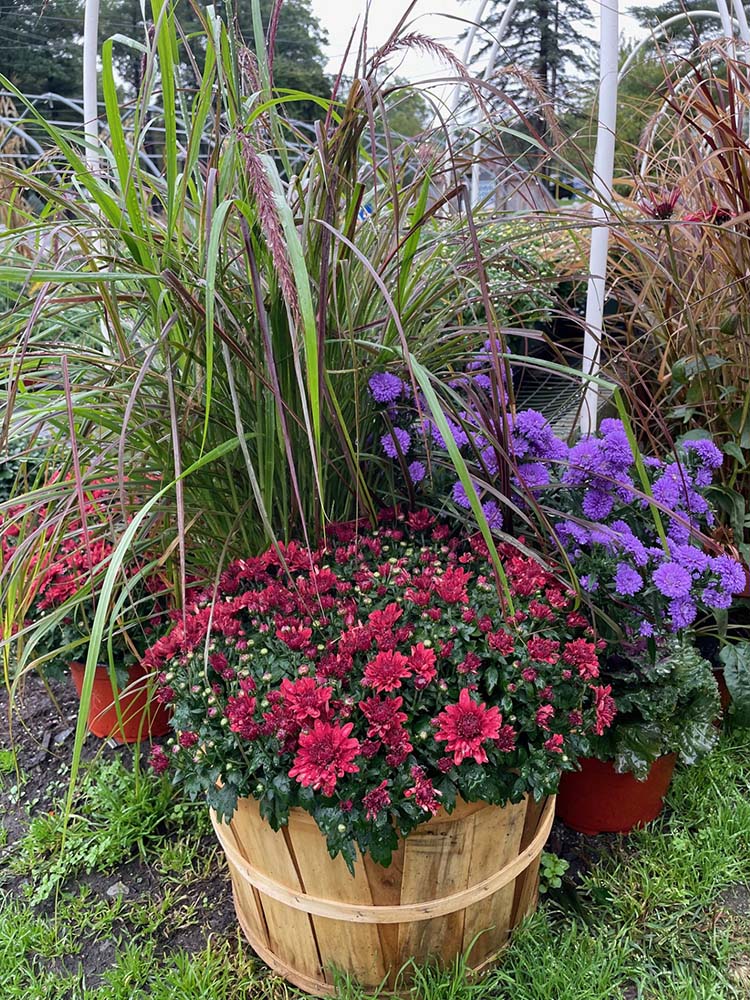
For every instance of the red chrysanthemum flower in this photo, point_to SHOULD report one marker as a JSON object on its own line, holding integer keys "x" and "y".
{"x": 554, "y": 744}
{"x": 576, "y": 620}
{"x": 241, "y": 714}
{"x": 187, "y": 739}
{"x": 540, "y": 611}
{"x": 306, "y": 700}
{"x": 423, "y": 792}
{"x": 465, "y": 726}
{"x": 502, "y": 642}
{"x": 543, "y": 650}
{"x": 386, "y": 619}
{"x": 295, "y": 636}
{"x": 452, "y": 585}
{"x": 376, "y": 801}
{"x": 605, "y": 707}
{"x": 158, "y": 760}
{"x": 382, "y": 716}
{"x": 543, "y": 715}
{"x": 506, "y": 739}
{"x": 326, "y": 753}
{"x": 386, "y": 671}
{"x": 422, "y": 663}
{"x": 582, "y": 655}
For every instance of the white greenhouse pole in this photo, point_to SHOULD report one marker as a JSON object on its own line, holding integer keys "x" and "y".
{"x": 741, "y": 17}
{"x": 90, "y": 89}
{"x": 604, "y": 161}
{"x": 471, "y": 35}
{"x": 488, "y": 71}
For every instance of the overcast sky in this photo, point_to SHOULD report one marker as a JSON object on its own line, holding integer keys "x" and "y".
{"x": 442, "y": 19}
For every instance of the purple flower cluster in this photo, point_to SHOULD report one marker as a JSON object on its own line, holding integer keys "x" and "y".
{"x": 659, "y": 583}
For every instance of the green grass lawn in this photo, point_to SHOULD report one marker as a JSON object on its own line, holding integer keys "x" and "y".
{"x": 134, "y": 905}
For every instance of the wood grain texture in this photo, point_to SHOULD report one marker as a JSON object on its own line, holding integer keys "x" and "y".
{"x": 352, "y": 947}
{"x": 527, "y": 883}
{"x": 305, "y": 914}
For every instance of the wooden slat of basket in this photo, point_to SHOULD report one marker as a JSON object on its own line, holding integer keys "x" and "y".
{"x": 354, "y": 947}
{"x": 247, "y": 898}
{"x": 290, "y": 931}
{"x": 527, "y": 882}
{"x": 436, "y": 855}
{"x": 494, "y": 846}
{"x": 385, "y": 889}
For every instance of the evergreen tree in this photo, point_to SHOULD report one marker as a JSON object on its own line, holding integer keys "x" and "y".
{"x": 299, "y": 60}
{"x": 683, "y": 37}
{"x": 40, "y": 45}
{"x": 543, "y": 37}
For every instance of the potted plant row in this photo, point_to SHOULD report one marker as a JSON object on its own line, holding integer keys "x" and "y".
{"x": 64, "y": 572}
{"x": 380, "y": 739}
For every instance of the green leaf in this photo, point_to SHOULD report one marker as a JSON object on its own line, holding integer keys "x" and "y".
{"x": 736, "y": 661}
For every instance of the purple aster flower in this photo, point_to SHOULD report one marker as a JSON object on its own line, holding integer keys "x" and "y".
{"x": 417, "y": 472}
{"x": 731, "y": 574}
{"x": 616, "y": 447}
{"x": 389, "y": 444}
{"x": 670, "y": 489}
{"x": 571, "y": 530}
{"x": 597, "y": 504}
{"x": 651, "y": 462}
{"x": 630, "y": 543}
{"x": 584, "y": 461}
{"x": 459, "y": 434}
{"x": 588, "y": 583}
{"x": 682, "y": 612}
{"x": 489, "y": 458}
{"x": 533, "y": 475}
{"x": 532, "y": 437}
{"x": 386, "y": 388}
{"x": 604, "y": 536}
{"x": 493, "y": 514}
{"x": 628, "y": 581}
{"x": 459, "y": 496}
{"x": 691, "y": 557}
{"x": 673, "y": 580}
{"x": 678, "y": 532}
{"x": 706, "y": 452}
{"x": 714, "y": 598}
{"x": 646, "y": 629}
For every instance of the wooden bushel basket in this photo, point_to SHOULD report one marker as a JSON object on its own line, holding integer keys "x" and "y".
{"x": 469, "y": 875}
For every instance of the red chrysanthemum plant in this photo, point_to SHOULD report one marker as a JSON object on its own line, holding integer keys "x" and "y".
{"x": 378, "y": 682}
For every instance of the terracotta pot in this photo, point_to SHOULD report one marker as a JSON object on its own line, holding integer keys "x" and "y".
{"x": 597, "y": 799}
{"x": 470, "y": 876}
{"x": 142, "y": 716}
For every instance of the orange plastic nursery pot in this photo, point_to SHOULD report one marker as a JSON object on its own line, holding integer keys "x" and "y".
{"x": 142, "y": 716}
{"x": 597, "y": 799}
{"x": 461, "y": 878}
